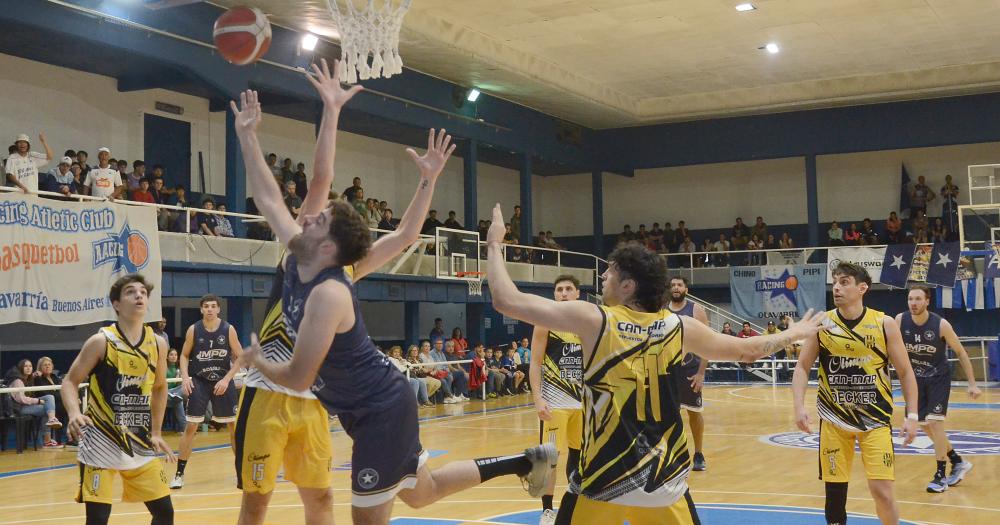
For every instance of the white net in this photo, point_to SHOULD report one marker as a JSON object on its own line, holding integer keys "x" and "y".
{"x": 475, "y": 287}
{"x": 369, "y": 39}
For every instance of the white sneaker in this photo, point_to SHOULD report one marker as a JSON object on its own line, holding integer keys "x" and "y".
{"x": 178, "y": 482}
{"x": 548, "y": 517}
{"x": 958, "y": 473}
{"x": 450, "y": 400}
{"x": 461, "y": 397}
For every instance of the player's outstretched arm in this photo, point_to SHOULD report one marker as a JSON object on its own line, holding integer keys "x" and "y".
{"x": 266, "y": 194}
{"x": 92, "y": 353}
{"x": 579, "y": 317}
{"x": 334, "y": 97}
{"x": 709, "y": 344}
{"x": 901, "y": 362}
{"x": 800, "y": 380}
{"x": 327, "y": 309}
{"x": 430, "y": 164}
{"x": 950, "y": 337}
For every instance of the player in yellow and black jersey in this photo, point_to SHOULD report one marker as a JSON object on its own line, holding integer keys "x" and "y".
{"x": 634, "y": 460}
{"x": 855, "y": 394}
{"x": 125, "y": 366}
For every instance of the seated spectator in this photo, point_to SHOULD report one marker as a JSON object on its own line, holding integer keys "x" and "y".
{"x": 681, "y": 232}
{"x": 223, "y": 227}
{"x": 301, "y": 181}
{"x": 138, "y": 174}
{"x": 835, "y": 235}
{"x": 452, "y": 222}
{"x": 292, "y": 200}
{"x": 461, "y": 344}
{"x": 852, "y": 237}
{"x": 498, "y": 374}
{"x": 142, "y": 193}
{"x": 386, "y": 222}
{"x": 920, "y": 223}
{"x": 771, "y": 328}
{"x": 517, "y": 255}
{"x": 626, "y": 236}
{"x": 160, "y": 196}
{"x": 920, "y": 237}
{"x": 755, "y": 245}
{"x": 771, "y": 243}
{"x": 81, "y": 158}
{"x": 786, "y": 241}
{"x": 350, "y": 193}
{"x": 640, "y": 236}
{"x": 43, "y": 406}
{"x": 422, "y": 373}
{"x": 670, "y": 239}
{"x": 893, "y": 229}
{"x": 478, "y": 374}
{"x": 372, "y": 213}
{"x": 514, "y": 376}
{"x": 180, "y": 196}
{"x": 431, "y": 223}
{"x": 46, "y": 375}
{"x": 939, "y": 233}
{"x": 207, "y": 222}
{"x": 175, "y": 392}
{"x": 440, "y": 370}
{"x": 655, "y": 239}
{"x": 746, "y": 331}
{"x": 395, "y": 356}
{"x": 524, "y": 355}
{"x": 741, "y": 235}
{"x": 759, "y": 228}
{"x": 721, "y": 245}
{"x": 727, "y": 329}
{"x": 550, "y": 241}
{"x": 704, "y": 254}
{"x": 868, "y": 234}
{"x": 459, "y": 376}
{"x": 483, "y": 228}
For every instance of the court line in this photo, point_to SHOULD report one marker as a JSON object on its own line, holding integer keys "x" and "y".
{"x": 987, "y": 509}
{"x": 792, "y": 510}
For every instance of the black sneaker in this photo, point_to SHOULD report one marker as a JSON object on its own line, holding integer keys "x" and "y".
{"x": 699, "y": 462}
{"x": 939, "y": 484}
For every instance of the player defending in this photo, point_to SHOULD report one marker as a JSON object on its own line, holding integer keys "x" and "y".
{"x": 855, "y": 394}
{"x": 692, "y": 373}
{"x": 634, "y": 459}
{"x": 334, "y": 356}
{"x": 927, "y": 336}
{"x": 555, "y": 376}
{"x": 210, "y": 350}
{"x": 125, "y": 365}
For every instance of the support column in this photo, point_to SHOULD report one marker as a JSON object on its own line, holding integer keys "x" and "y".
{"x": 236, "y": 178}
{"x": 527, "y": 228}
{"x": 812, "y": 200}
{"x": 240, "y": 315}
{"x": 597, "y": 188}
{"x": 411, "y": 322}
{"x": 475, "y": 328}
{"x": 471, "y": 177}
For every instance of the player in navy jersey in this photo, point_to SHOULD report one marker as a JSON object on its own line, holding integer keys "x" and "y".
{"x": 692, "y": 376}
{"x": 927, "y": 337}
{"x": 333, "y": 355}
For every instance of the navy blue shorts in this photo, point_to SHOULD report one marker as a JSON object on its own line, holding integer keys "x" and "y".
{"x": 223, "y": 407}
{"x": 933, "y": 394}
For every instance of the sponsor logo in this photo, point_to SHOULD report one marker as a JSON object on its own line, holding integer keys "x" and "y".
{"x": 929, "y": 335}
{"x": 964, "y": 442}
{"x": 257, "y": 457}
{"x": 127, "y": 251}
{"x": 368, "y": 478}
{"x": 128, "y": 381}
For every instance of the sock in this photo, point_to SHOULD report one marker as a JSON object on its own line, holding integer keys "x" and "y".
{"x": 547, "y": 502}
{"x": 954, "y": 457}
{"x": 836, "y": 503}
{"x": 181, "y": 463}
{"x": 490, "y": 468}
{"x": 940, "y": 469}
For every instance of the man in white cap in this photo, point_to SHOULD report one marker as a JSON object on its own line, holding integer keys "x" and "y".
{"x": 104, "y": 181}
{"x": 61, "y": 179}
{"x": 22, "y": 166}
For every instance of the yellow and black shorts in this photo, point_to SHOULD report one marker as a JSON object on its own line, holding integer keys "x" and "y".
{"x": 836, "y": 453}
{"x": 580, "y": 510}
{"x": 274, "y": 430}
{"x": 146, "y": 483}
{"x": 565, "y": 428}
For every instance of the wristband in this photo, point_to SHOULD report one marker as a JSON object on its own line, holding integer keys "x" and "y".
{"x": 913, "y": 416}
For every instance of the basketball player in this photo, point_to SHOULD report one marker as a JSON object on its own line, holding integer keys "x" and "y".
{"x": 926, "y": 336}
{"x": 210, "y": 349}
{"x": 855, "y": 394}
{"x": 555, "y": 374}
{"x": 334, "y": 356}
{"x": 634, "y": 459}
{"x": 692, "y": 376}
{"x": 125, "y": 365}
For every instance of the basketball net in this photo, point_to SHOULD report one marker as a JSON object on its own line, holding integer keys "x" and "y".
{"x": 369, "y": 33}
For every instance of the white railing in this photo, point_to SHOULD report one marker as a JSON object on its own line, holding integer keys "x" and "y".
{"x": 433, "y": 364}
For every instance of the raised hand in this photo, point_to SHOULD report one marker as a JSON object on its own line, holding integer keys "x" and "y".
{"x": 439, "y": 150}
{"x": 497, "y": 229}
{"x": 248, "y": 115}
{"x": 328, "y": 85}
{"x": 811, "y": 324}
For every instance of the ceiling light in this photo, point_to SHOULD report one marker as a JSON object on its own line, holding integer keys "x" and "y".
{"x": 745, "y": 7}
{"x": 473, "y": 95}
{"x": 772, "y": 48}
{"x": 309, "y": 41}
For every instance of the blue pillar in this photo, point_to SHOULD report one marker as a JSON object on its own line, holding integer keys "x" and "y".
{"x": 411, "y": 323}
{"x": 527, "y": 228}
{"x": 812, "y": 200}
{"x": 475, "y": 328}
{"x": 597, "y": 187}
{"x": 240, "y": 315}
{"x": 236, "y": 179}
{"x": 470, "y": 163}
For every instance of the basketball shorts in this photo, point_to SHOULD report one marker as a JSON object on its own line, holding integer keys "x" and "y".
{"x": 686, "y": 396}
{"x": 932, "y": 395}
{"x": 387, "y": 453}
{"x": 275, "y": 430}
{"x": 580, "y": 510}
{"x": 223, "y": 407}
{"x": 565, "y": 428}
{"x": 146, "y": 483}
{"x": 836, "y": 453}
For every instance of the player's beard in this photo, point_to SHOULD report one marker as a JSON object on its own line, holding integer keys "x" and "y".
{"x": 678, "y": 297}
{"x": 301, "y": 248}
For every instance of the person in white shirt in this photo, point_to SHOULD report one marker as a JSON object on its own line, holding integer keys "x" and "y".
{"x": 22, "y": 166}
{"x": 104, "y": 181}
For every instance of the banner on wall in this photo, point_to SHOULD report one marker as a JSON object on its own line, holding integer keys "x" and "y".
{"x": 770, "y": 292}
{"x": 788, "y": 257}
{"x": 58, "y": 259}
{"x": 868, "y": 258}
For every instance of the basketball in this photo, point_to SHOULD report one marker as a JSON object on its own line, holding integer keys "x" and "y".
{"x": 242, "y": 35}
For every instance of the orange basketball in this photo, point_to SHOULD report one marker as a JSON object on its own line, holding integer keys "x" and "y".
{"x": 792, "y": 283}
{"x": 137, "y": 250}
{"x": 242, "y": 35}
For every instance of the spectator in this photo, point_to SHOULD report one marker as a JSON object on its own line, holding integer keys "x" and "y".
{"x": 438, "y": 331}
{"x": 550, "y": 241}
{"x": 138, "y": 174}
{"x": 852, "y": 236}
{"x": 483, "y": 228}
{"x": 104, "y": 181}
{"x": 508, "y": 235}
{"x": 452, "y": 222}
{"x": 515, "y": 225}
{"x": 868, "y": 234}
{"x": 503, "y": 376}
{"x": 142, "y": 193}
{"x": 655, "y": 240}
{"x": 741, "y": 235}
{"x": 514, "y": 376}
{"x": 439, "y": 370}
{"x": 755, "y": 245}
{"x": 759, "y": 228}
{"x": 223, "y": 227}
{"x": 351, "y": 193}
{"x": 286, "y": 170}
{"x": 939, "y": 232}
{"x": 687, "y": 246}
{"x": 122, "y": 167}
{"x": 921, "y": 237}
{"x": 292, "y": 200}
{"x": 949, "y": 204}
{"x": 43, "y": 406}
{"x": 640, "y": 236}
{"x": 81, "y": 157}
{"x": 746, "y": 331}
{"x": 45, "y": 375}
{"x": 786, "y": 241}
{"x": 920, "y": 196}
{"x": 422, "y": 373}
{"x": 670, "y": 238}
{"x": 386, "y": 222}
{"x": 461, "y": 344}
{"x": 431, "y": 223}
{"x": 272, "y": 164}
{"x": 524, "y": 352}
{"x": 395, "y": 356}
{"x": 893, "y": 229}
{"x": 160, "y": 196}
{"x": 478, "y": 375}
{"x": 517, "y": 255}
{"x": 727, "y": 329}
{"x": 626, "y": 236}
{"x": 835, "y": 235}
{"x": 458, "y": 380}
{"x": 704, "y": 259}
{"x": 22, "y": 165}
{"x": 207, "y": 223}
{"x": 920, "y": 223}
{"x": 721, "y": 245}
{"x": 62, "y": 180}
{"x": 372, "y": 213}
{"x": 301, "y": 181}
{"x": 771, "y": 243}
{"x": 771, "y": 328}
{"x": 175, "y": 392}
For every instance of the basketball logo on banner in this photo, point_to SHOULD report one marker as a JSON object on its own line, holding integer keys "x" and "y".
{"x": 127, "y": 250}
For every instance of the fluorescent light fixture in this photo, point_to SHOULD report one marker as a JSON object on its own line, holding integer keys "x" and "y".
{"x": 473, "y": 95}
{"x": 745, "y": 7}
{"x": 772, "y": 48}
{"x": 309, "y": 41}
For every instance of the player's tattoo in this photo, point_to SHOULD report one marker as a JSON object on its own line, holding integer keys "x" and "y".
{"x": 423, "y": 185}
{"x": 773, "y": 344}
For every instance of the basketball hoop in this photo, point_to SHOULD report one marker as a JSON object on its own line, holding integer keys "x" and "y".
{"x": 475, "y": 284}
{"x": 372, "y": 32}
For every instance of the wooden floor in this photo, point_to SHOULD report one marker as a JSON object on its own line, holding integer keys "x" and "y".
{"x": 748, "y": 478}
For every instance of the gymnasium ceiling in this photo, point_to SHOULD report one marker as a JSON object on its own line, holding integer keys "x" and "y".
{"x": 615, "y": 63}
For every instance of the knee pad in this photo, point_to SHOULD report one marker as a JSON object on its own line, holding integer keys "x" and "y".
{"x": 836, "y": 503}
